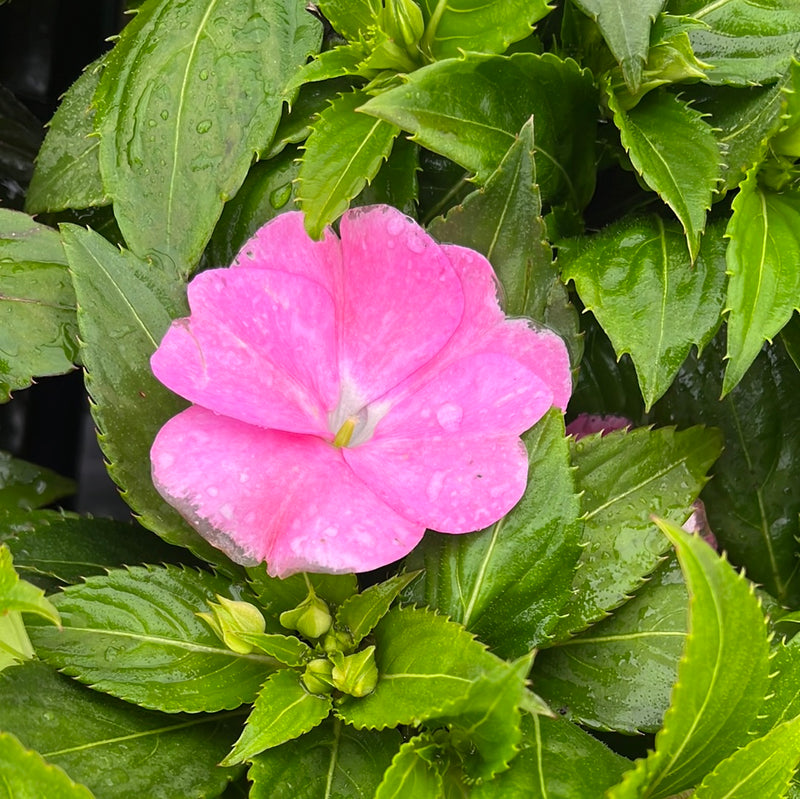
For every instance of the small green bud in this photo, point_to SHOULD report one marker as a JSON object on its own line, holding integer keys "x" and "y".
{"x": 311, "y": 618}
{"x": 404, "y": 22}
{"x": 337, "y": 641}
{"x": 317, "y": 676}
{"x": 230, "y": 617}
{"x": 356, "y": 674}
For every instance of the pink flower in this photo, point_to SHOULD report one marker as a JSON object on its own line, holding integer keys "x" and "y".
{"x": 347, "y": 395}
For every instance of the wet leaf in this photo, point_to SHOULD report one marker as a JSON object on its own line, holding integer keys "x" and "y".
{"x": 38, "y": 335}
{"x": 722, "y": 677}
{"x": 637, "y": 278}
{"x": 470, "y": 110}
{"x": 763, "y": 257}
{"x": 413, "y": 772}
{"x": 334, "y": 759}
{"x": 676, "y": 153}
{"x": 116, "y": 749}
{"x": 135, "y": 634}
{"x": 618, "y": 674}
{"x": 24, "y": 486}
{"x": 190, "y": 93}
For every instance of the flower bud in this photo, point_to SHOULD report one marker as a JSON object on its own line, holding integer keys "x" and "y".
{"x": 230, "y": 617}
{"x": 317, "y": 676}
{"x": 311, "y": 618}
{"x": 404, "y": 23}
{"x": 337, "y": 641}
{"x": 356, "y": 674}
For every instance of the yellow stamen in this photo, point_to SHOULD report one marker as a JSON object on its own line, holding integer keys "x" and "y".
{"x": 342, "y": 438}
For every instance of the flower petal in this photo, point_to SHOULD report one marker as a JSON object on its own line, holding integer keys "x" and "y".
{"x": 258, "y": 347}
{"x": 452, "y": 483}
{"x": 267, "y": 495}
{"x": 486, "y": 393}
{"x": 398, "y": 301}
{"x": 283, "y": 244}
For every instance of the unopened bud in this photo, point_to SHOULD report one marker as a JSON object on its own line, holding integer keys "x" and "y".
{"x": 404, "y": 22}
{"x": 311, "y": 618}
{"x": 230, "y": 617}
{"x": 337, "y": 641}
{"x": 317, "y": 676}
{"x": 356, "y": 674}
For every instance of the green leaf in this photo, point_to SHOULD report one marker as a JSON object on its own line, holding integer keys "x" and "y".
{"x": 722, "y": 677}
{"x": 286, "y": 649}
{"x": 457, "y": 26}
{"x": 26, "y": 486}
{"x": 331, "y": 176}
{"x": 484, "y": 726}
{"x": 361, "y": 612}
{"x": 503, "y": 220}
{"x": 52, "y": 547}
{"x": 116, "y": 749}
{"x": 135, "y": 634}
{"x": 67, "y": 173}
{"x": 396, "y": 183}
{"x": 268, "y": 190}
{"x": 626, "y": 30}
{"x": 508, "y": 583}
{"x": 752, "y": 502}
{"x": 653, "y": 302}
{"x": 27, "y": 775}
{"x": 20, "y": 138}
{"x": 764, "y": 768}
{"x": 39, "y": 333}
{"x": 763, "y": 257}
{"x": 278, "y": 595}
{"x": 413, "y": 772}
{"x": 790, "y": 337}
{"x": 189, "y": 94}
{"x": 618, "y": 674}
{"x": 745, "y": 41}
{"x": 339, "y": 62}
{"x": 425, "y": 664}
{"x": 676, "y": 153}
{"x": 624, "y": 478}
{"x": 126, "y": 307}
{"x": 783, "y": 702}
{"x": 19, "y": 595}
{"x": 470, "y": 110}
{"x": 334, "y": 759}
{"x": 351, "y": 18}
{"x": 283, "y": 711}
{"x": 557, "y": 760}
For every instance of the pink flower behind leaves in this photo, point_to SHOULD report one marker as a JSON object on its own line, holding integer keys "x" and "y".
{"x": 348, "y": 394}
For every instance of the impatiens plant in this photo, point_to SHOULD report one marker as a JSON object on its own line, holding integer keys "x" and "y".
{"x": 446, "y": 356}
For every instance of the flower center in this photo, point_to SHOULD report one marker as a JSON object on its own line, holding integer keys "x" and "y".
{"x": 345, "y": 432}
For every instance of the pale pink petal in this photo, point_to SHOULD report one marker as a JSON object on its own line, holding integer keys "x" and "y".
{"x": 259, "y": 347}
{"x": 485, "y": 393}
{"x": 267, "y": 495}
{"x": 283, "y": 244}
{"x": 398, "y": 301}
{"x": 452, "y": 483}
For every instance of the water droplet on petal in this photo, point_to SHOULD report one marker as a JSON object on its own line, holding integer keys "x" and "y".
{"x": 435, "y": 486}
{"x": 449, "y": 417}
{"x": 213, "y": 491}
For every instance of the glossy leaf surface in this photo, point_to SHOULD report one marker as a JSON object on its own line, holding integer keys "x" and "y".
{"x": 625, "y": 478}
{"x": 126, "y": 307}
{"x": 116, "y": 749}
{"x": 763, "y": 258}
{"x": 470, "y": 110}
{"x": 334, "y": 759}
{"x": 626, "y": 30}
{"x": 653, "y": 302}
{"x": 24, "y": 486}
{"x": 39, "y": 333}
{"x": 722, "y": 677}
{"x": 413, "y": 772}
{"x": 190, "y": 93}
{"x": 330, "y": 177}
{"x": 508, "y": 583}
{"x": 20, "y": 596}
{"x": 676, "y": 153}
{"x": 477, "y": 25}
{"x": 752, "y": 504}
{"x": 135, "y": 634}
{"x": 283, "y": 711}
{"x": 26, "y": 774}
{"x": 618, "y": 674}
{"x": 67, "y": 173}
